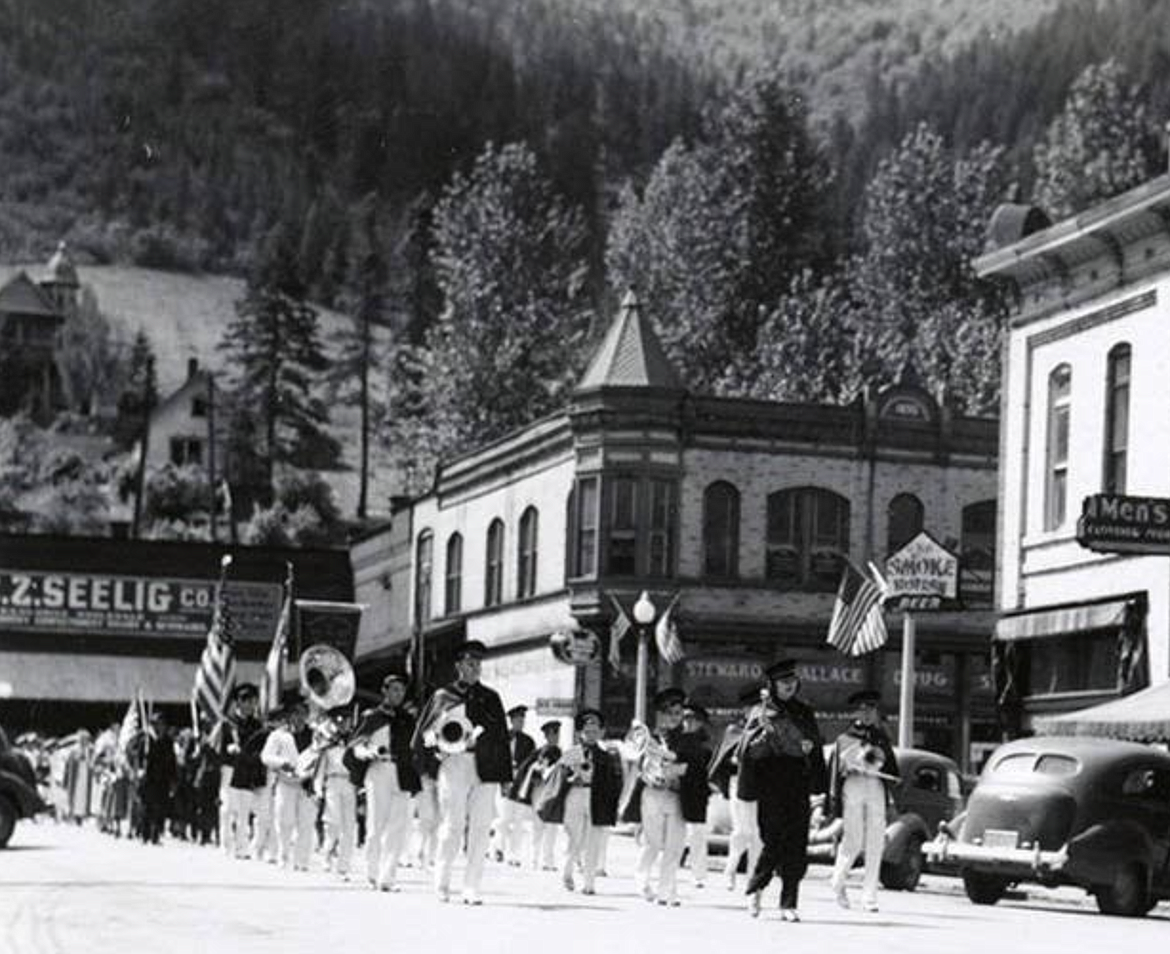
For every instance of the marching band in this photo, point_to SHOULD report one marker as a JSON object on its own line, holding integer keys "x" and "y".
{"x": 468, "y": 780}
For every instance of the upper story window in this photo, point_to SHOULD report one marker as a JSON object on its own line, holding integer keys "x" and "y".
{"x": 186, "y": 450}
{"x": 623, "y": 525}
{"x": 977, "y": 554}
{"x": 526, "y": 552}
{"x": 1056, "y": 474}
{"x": 904, "y": 521}
{"x": 808, "y": 538}
{"x": 721, "y": 530}
{"x": 424, "y": 563}
{"x": 493, "y": 590}
{"x": 1117, "y": 419}
{"x": 453, "y": 592}
{"x": 199, "y": 407}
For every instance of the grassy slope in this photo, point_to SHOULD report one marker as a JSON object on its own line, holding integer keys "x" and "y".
{"x": 185, "y": 315}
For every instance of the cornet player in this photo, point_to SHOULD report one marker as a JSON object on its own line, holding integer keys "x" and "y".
{"x": 294, "y": 809}
{"x": 468, "y": 781}
{"x": 382, "y": 740}
{"x": 861, "y": 767}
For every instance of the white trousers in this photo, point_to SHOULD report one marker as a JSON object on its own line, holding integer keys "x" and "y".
{"x": 511, "y": 820}
{"x": 865, "y": 830}
{"x": 244, "y": 804}
{"x": 697, "y": 848}
{"x": 745, "y": 833}
{"x": 602, "y": 849}
{"x": 466, "y": 807}
{"x": 387, "y": 822}
{"x": 340, "y": 821}
{"x": 664, "y": 835}
{"x": 295, "y": 819}
{"x": 227, "y": 835}
{"x": 544, "y": 843}
{"x": 427, "y": 804}
{"x": 584, "y": 839}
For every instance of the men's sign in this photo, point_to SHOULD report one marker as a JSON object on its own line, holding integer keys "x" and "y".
{"x": 112, "y": 604}
{"x": 1113, "y": 523}
{"x": 923, "y": 567}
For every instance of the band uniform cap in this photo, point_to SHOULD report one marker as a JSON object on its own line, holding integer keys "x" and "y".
{"x": 551, "y": 726}
{"x": 517, "y": 711}
{"x": 245, "y": 690}
{"x": 472, "y": 649}
{"x": 781, "y": 669}
{"x": 585, "y": 715}
{"x": 697, "y": 711}
{"x": 399, "y": 677}
{"x": 865, "y": 697}
{"x": 751, "y": 694}
{"x": 667, "y": 698}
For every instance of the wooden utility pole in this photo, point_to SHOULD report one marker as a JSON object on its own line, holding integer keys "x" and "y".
{"x": 213, "y": 483}
{"x": 147, "y": 408}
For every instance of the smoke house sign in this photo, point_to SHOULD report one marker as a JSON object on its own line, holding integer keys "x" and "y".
{"x": 1111, "y": 523}
{"x": 93, "y": 603}
{"x": 923, "y": 568}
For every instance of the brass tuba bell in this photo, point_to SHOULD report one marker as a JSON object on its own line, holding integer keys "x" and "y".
{"x": 327, "y": 678}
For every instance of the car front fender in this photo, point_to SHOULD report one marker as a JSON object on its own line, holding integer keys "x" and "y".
{"x": 26, "y": 800}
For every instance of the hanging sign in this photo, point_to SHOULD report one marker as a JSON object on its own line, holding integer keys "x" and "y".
{"x": 923, "y": 571}
{"x": 575, "y": 648}
{"x": 1112, "y": 523}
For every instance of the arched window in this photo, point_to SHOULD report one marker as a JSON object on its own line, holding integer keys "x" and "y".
{"x": 424, "y": 566}
{"x": 1056, "y": 475}
{"x": 1117, "y": 419}
{"x": 583, "y": 522}
{"x": 493, "y": 591}
{"x": 808, "y": 538}
{"x": 904, "y": 519}
{"x": 721, "y": 530}
{"x": 454, "y": 578}
{"x": 977, "y": 554}
{"x": 526, "y": 554}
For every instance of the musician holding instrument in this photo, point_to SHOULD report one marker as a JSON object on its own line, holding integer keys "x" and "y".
{"x": 512, "y": 814}
{"x": 462, "y": 742}
{"x": 382, "y": 741}
{"x": 591, "y": 800}
{"x": 247, "y": 792}
{"x": 293, "y": 806}
{"x": 334, "y": 783}
{"x": 781, "y": 769}
{"x": 862, "y": 768}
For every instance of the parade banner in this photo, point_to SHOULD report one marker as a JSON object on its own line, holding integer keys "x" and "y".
{"x": 117, "y": 605}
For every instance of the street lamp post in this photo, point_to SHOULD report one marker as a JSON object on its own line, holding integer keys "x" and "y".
{"x": 644, "y": 611}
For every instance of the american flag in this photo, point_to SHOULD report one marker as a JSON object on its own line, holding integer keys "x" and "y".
{"x": 216, "y": 674}
{"x": 133, "y": 723}
{"x": 857, "y": 625}
{"x": 670, "y": 647}
{"x": 617, "y": 632}
{"x": 270, "y": 685}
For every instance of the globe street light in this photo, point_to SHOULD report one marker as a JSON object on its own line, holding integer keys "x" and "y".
{"x": 644, "y": 611}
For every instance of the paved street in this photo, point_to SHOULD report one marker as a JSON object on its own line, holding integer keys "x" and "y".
{"x": 66, "y": 890}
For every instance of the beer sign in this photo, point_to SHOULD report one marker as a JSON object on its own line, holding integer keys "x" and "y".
{"x": 923, "y": 568}
{"x": 1114, "y": 523}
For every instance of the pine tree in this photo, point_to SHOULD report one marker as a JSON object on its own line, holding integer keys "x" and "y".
{"x": 1097, "y": 147}
{"x": 140, "y": 393}
{"x": 275, "y": 358}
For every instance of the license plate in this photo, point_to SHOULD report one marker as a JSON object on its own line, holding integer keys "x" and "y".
{"x": 999, "y": 838}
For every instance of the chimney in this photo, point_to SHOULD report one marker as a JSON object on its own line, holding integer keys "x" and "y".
{"x": 192, "y": 367}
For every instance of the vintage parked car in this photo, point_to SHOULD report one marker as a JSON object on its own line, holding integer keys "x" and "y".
{"x": 1093, "y": 813}
{"x": 931, "y": 792}
{"x": 18, "y": 789}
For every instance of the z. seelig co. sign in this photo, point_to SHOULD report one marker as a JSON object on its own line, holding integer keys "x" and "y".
{"x": 130, "y": 605}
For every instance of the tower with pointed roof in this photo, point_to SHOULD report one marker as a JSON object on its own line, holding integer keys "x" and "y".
{"x": 60, "y": 281}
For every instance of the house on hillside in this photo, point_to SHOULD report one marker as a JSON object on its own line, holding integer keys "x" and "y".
{"x": 737, "y": 514}
{"x": 31, "y": 314}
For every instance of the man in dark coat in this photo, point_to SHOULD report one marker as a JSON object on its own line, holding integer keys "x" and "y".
{"x": 781, "y": 766}
{"x": 158, "y": 778}
{"x": 207, "y": 785}
{"x": 462, "y": 742}
{"x": 511, "y": 814}
{"x": 695, "y": 789}
{"x": 591, "y": 801}
{"x": 382, "y": 742}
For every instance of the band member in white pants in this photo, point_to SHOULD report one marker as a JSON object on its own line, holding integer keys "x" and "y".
{"x": 861, "y": 766}
{"x": 591, "y": 802}
{"x": 243, "y": 739}
{"x": 695, "y": 788}
{"x": 468, "y": 781}
{"x": 513, "y": 815}
{"x": 334, "y": 784}
{"x": 382, "y": 741}
{"x": 294, "y": 811}
{"x": 663, "y": 828}
{"x": 531, "y": 781}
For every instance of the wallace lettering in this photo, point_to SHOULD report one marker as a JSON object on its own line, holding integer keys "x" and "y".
{"x": 106, "y": 603}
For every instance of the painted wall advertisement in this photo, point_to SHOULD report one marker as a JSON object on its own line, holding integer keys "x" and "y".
{"x": 115, "y": 605}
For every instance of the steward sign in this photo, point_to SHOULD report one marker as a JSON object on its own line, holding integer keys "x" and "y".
{"x": 1112, "y": 523}
{"x": 923, "y": 567}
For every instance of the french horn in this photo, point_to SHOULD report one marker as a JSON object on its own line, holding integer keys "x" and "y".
{"x": 453, "y": 732}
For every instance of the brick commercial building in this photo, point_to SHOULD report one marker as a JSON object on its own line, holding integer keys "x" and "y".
{"x": 743, "y": 510}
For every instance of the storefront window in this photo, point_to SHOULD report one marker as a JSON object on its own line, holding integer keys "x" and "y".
{"x": 1080, "y": 662}
{"x": 904, "y": 521}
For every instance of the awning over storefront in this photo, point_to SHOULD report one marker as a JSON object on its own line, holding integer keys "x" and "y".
{"x": 1141, "y": 717}
{"x": 1062, "y": 620}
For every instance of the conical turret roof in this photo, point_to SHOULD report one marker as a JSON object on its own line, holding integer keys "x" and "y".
{"x": 630, "y": 355}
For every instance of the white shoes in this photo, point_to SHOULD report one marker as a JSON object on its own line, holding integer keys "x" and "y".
{"x": 789, "y": 914}
{"x": 472, "y": 897}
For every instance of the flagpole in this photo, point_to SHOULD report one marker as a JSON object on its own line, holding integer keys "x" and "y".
{"x": 906, "y": 698}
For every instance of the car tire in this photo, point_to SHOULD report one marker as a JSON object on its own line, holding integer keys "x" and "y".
{"x": 906, "y": 873}
{"x": 984, "y": 888}
{"x": 1128, "y": 896}
{"x": 8, "y": 817}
